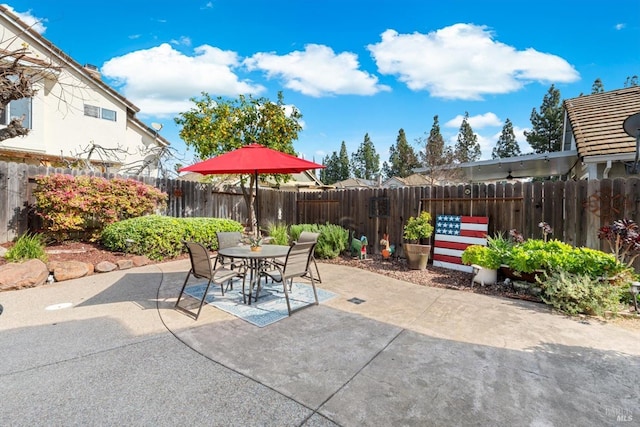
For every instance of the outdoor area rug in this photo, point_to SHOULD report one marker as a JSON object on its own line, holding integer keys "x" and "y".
{"x": 271, "y": 306}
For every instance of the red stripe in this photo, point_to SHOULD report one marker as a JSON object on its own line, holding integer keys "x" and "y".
{"x": 447, "y": 258}
{"x": 475, "y": 219}
{"x": 450, "y": 245}
{"x": 473, "y": 233}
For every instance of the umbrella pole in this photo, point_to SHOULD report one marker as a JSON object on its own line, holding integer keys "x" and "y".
{"x": 256, "y": 206}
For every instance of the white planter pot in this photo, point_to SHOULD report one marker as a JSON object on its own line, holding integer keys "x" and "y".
{"x": 484, "y": 276}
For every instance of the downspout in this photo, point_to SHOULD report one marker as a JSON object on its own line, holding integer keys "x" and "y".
{"x": 605, "y": 172}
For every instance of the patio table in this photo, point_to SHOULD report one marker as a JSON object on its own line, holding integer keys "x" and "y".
{"x": 255, "y": 260}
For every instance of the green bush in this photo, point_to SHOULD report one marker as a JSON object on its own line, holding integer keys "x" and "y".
{"x": 278, "y": 234}
{"x": 482, "y": 256}
{"x": 579, "y": 293}
{"x": 332, "y": 241}
{"x": 28, "y": 246}
{"x": 160, "y": 237}
{"x": 296, "y": 229}
{"x": 536, "y": 254}
{"x": 82, "y": 206}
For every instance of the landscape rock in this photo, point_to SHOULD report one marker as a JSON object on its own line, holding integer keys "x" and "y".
{"x": 26, "y": 274}
{"x": 140, "y": 260}
{"x": 3, "y": 251}
{"x": 124, "y": 264}
{"x": 67, "y": 270}
{"x": 105, "y": 267}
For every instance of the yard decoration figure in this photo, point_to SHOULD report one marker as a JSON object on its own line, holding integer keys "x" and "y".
{"x": 359, "y": 246}
{"x": 387, "y": 249}
{"x": 363, "y": 248}
{"x": 356, "y": 246}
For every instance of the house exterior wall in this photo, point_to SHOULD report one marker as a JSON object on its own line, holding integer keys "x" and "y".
{"x": 59, "y": 124}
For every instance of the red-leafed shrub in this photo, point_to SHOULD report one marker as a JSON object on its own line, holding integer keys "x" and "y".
{"x": 82, "y": 206}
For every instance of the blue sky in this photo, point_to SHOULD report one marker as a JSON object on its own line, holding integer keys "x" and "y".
{"x": 351, "y": 67}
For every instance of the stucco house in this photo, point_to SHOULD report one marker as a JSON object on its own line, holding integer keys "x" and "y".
{"x": 72, "y": 111}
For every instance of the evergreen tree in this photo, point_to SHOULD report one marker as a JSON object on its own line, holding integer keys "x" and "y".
{"x": 546, "y": 133}
{"x": 467, "y": 147}
{"x": 330, "y": 174}
{"x": 597, "y": 86}
{"x": 437, "y": 159}
{"x": 507, "y": 146}
{"x": 343, "y": 163}
{"x": 365, "y": 162}
{"x": 402, "y": 158}
{"x": 631, "y": 81}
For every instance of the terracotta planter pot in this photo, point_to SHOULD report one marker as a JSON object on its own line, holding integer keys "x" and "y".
{"x": 417, "y": 255}
{"x": 256, "y": 248}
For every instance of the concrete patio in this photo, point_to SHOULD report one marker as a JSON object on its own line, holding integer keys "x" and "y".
{"x": 110, "y": 349}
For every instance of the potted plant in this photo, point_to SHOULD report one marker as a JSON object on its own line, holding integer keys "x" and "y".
{"x": 255, "y": 242}
{"x": 416, "y": 232}
{"x": 485, "y": 262}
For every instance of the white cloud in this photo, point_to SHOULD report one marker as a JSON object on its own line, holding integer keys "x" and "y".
{"x": 476, "y": 122}
{"x": 37, "y": 24}
{"x": 161, "y": 80}
{"x": 620, "y": 26}
{"x": 464, "y": 61}
{"x": 182, "y": 41}
{"x": 317, "y": 71}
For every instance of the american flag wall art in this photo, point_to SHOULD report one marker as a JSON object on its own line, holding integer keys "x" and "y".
{"x": 453, "y": 233}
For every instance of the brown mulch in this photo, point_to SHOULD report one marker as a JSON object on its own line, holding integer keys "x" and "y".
{"x": 433, "y": 276}
{"x": 86, "y": 252}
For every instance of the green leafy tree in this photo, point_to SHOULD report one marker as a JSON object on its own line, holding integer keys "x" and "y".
{"x": 437, "y": 158}
{"x": 507, "y": 146}
{"x": 217, "y": 126}
{"x": 467, "y": 147}
{"x": 546, "y": 132}
{"x": 365, "y": 163}
{"x": 402, "y": 158}
{"x": 597, "y": 86}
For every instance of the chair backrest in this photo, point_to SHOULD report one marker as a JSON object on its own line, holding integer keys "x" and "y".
{"x": 200, "y": 260}
{"x": 227, "y": 239}
{"x": 298, "y": 259}
{"x": 308, "y": 236}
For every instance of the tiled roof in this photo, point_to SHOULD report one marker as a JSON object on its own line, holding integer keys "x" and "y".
{"x": 597, "y": 120}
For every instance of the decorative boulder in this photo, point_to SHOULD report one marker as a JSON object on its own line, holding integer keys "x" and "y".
{"x": 67, "y": 270}
{"x": 26, "y": 274}
{"x": 124, "y": 264}
{"x": 105, "y": 267}
{"x": 140, "y": 260}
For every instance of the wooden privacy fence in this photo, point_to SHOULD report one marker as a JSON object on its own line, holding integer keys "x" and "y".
{"x": 574, "y": 209}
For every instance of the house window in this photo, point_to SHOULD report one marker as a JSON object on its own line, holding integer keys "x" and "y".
{"x": 91, "y": 111}
{"x": 108, "y": 114}
{"x": 16, "y": 109}
{"x": 97, "y": 112}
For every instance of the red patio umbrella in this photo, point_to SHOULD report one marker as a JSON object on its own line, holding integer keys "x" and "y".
{"x": 252, "y": 159}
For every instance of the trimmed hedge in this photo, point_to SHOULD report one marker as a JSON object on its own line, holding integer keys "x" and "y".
{"x": 160, "y": 237}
